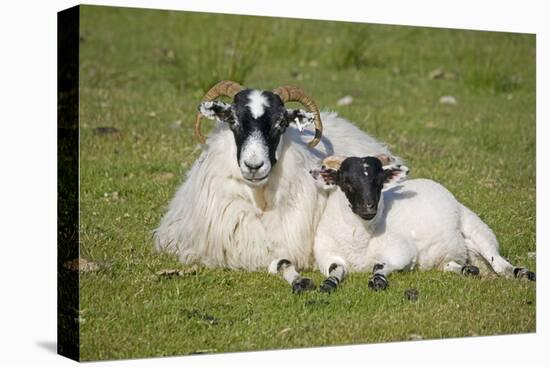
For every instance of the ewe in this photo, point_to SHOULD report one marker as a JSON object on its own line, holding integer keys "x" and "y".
{"x": 371, "y": 222}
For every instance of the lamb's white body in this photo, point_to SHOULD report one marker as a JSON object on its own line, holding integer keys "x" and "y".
{"x": 217, "y": 219}
{"x": 419, "y": 224}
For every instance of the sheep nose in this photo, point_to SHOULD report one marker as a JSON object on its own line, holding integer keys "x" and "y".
{"x": 253, "y": 166}
{"x": 370, "y": 206}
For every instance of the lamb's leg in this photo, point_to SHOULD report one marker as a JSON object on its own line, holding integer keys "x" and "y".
{"x": 499, "y": 264}
{"x": 337, "y": 273}
{"x": 379, "y": 280}
{"x": 466, "y": 270}
{"x": 285, "y": 268}
{"x": 393, "y": 254}
{"x": 329, "y": 261}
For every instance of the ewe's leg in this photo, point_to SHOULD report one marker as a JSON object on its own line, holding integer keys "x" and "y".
{"x": 337, "y": 273}
{"x": 466, "y": 270}
{"x": 288, "y": 272}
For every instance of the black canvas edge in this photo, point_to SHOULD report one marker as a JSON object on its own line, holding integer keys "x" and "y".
{"x": 68, "y": 38}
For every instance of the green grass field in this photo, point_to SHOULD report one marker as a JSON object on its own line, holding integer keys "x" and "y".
{"x": 143, "y": 72}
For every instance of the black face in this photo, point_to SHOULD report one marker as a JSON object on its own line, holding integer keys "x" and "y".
{"x": 362, "y": 180}
{"x": 267, "y": 126}
{"x": 257, "y": 120}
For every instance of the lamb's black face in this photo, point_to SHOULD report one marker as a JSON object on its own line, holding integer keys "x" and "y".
{"x": 362, "y": 180}
{"x": 257, "y": 120}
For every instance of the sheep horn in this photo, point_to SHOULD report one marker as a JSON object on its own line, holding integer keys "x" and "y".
{"x": 225, "y": 88}
{"x": 290, "y": 93}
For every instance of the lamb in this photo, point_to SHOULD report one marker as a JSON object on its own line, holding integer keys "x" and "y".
{"x": 248, "y": 202}
{"x": 375, "y": 220}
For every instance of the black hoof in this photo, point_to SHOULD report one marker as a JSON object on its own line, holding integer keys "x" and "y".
{"x": 301, "y": 285}
{"x": 378, "y": 282}
{"x": 524, "y": 273}
{"x": 470, "y": 271}
{"x": 330, "y": 284}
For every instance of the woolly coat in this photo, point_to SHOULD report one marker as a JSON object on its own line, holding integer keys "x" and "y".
{"x": 216, "y": 219}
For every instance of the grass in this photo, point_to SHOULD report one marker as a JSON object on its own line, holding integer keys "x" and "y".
{"x": 144, "y": 72}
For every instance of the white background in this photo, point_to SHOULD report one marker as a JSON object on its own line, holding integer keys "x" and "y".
{"x": 28, "y": 182}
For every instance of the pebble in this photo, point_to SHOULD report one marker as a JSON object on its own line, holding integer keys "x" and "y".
{"x": 415, "y": 337}
{"x": 447, "y": 100}
{"x": 106, "y": 130}
{"x": 412, "y": 294}
{"x": 345, "y": 101}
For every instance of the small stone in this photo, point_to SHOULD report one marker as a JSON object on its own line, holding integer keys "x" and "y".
{"x": 412, "y": 294}
{"x": 415, "y": 337}
{"x": 111, "y": 195}
{"x": 106, "y": 130}
{"x": 345, "y": 101}
{"x": 448, "y": 100}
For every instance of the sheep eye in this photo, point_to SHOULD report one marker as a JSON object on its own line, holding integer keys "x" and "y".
{"x": 278, "y": 127}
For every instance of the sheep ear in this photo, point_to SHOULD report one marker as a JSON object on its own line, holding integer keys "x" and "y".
{"x": 217, "y": 110}
{"x": 386, "y": 159}
{"x": 298, "y": 117}
{"x": 393, "y": 175}
{"x": 325, "y": 178}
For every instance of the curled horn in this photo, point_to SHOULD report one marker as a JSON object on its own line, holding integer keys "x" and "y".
{"x": 225, "y": 88}
{"x": 290, "y": 93}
